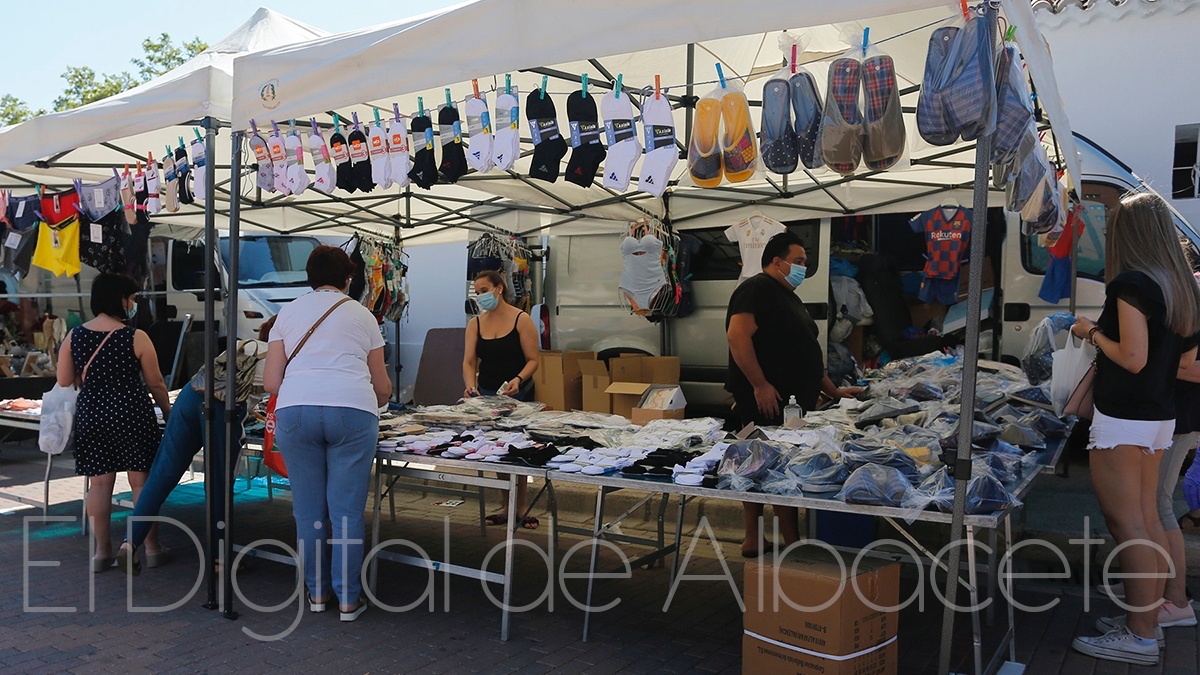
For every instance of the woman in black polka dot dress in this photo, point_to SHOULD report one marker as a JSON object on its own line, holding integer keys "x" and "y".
{"x": 115, "y": 426}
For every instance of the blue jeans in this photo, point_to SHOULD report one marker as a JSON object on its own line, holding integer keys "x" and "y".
{"x": 328, "y": 452}
{"x": 182, "y": 439}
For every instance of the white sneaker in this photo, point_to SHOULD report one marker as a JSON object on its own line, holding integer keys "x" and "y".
{"x": 1118, "y": 645}
{"x": 1108, "y": 623}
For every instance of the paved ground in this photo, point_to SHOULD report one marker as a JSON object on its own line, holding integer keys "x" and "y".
{"x": 695, "y": 629}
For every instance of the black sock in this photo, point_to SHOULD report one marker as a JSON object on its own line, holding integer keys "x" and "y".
{"x": 341, "y": 159}
{"x": 585, "y": 131}
{"x": 552, "y": 148}
{"x": 185, "y": 173}
{"x": 360, "y": 161}
{"x": 454, "y": 158}
{"x": 424, "y": 168}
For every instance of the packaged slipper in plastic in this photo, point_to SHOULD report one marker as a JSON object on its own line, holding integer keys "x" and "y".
{"x": 876, "y": 485}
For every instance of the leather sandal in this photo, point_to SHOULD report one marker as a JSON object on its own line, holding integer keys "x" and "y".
{"x": 127, "y": 560}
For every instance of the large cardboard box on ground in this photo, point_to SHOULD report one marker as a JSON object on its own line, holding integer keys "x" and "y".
{"x": 558, "y": 382}
{"x": 618, "y": 388}
{"x": 834, "y": 620}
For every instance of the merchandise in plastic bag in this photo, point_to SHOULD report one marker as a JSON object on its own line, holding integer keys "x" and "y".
{"x": 842, "y": 119}
{"x": 57, "y": 420}
{"x": 704, "y": 149}
{"x": 1038, "y": 361}
{"x": 982, "y": 434}
{"x": 856, "y": 454}
{"x": 937, "y": 490}
{"x": 820, "y": 472}
{"x": 986, "y": 495}
{"x": 1014, "y": 109}
{"x": 1022, "y": 436}
{"x": 1045, "y": 422}
{"x": 876, "y": 485}
{"x": 745, "y": 463}
{"x": 958, "y": 90}
{"x": 920, "y": 391}
{"x": 921, "y": 444}
{"x": 498, "y": 406}
{"x": 885, "y": 408}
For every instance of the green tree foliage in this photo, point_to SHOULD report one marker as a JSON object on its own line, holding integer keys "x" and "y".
{"x": 84, "y": 85}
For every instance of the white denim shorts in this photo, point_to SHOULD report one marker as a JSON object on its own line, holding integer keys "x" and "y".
{"x": 1109, "y": 432}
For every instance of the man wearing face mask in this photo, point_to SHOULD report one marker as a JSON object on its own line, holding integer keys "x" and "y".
{"x": 774, "y": 355}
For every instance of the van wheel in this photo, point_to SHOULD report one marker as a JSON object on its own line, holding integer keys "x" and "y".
{"x": 608, "y": 354}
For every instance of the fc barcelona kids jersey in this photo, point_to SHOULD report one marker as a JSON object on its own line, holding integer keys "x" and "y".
{"x": 947, "y": 233}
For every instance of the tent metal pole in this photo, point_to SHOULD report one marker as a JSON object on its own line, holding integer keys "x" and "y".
{"x": 691, "y": 92}
{"x": 396, "y": 352}
{"x": 233, "y": 422}
{"x": 211, "y": 283}
{"x": 962, "y": 459}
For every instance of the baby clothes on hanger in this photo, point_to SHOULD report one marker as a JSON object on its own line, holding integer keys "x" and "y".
{"x": 751, "y": 236}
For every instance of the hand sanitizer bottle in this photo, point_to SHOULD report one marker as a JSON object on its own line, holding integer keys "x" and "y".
{"x": 793, "y": 416}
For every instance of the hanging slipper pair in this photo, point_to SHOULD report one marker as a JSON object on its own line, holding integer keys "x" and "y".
{"x": 786, "y": 142}
{"x": 723, "y": 113}
{"x": 874, "y": 133}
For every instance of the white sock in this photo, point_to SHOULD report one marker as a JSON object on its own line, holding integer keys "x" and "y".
{"x": 506, "y": 144}
{"x": 381, "y": 171}
{"x": 325, "y": 178}
{"x": 198, "y": 168}
{"x": 278, "y": 150}
{"x": 623, "y": 146}
{"x": 297, "y": 177}
{"x": 479, "y": 128}
{"x": 399, "y": 160}
{"x": 660, "y": 161}
{"x": 153, "y": 185}
{"x": 262, "y": 155}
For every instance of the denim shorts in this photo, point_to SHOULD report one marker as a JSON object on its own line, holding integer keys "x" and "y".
{"x": 1109, "y": 432}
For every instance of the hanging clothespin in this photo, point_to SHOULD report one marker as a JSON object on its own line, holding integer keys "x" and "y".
{"x": 449, "y": 100}
{"x": 275, "y": 127}
{"x": 150, "y": 160}
{"x": 420, "y": 106}
{"x": 793, "y": 58}
{"x": 543, "y": 90}
{"x": 165, "y": 157}
{"x": 254, "y": 127}
{"x": 583, "y": 82}
{"x": 117, "y": 174}
{"x": 139, "y": 166}
{"x": 617, "y": 90}
{"x": 354, "y": 116}
{"x": 396, "y": 111}
{"x": 866, "y": 39}
{"x": 658, "y": 84}
{"x": 508, "y": 83}
{"x": 181, "y": 143}
{"x": 198, "y": 136}
{"x": 378, "y": 124}
{"x": 337, "y": 123}
{"x": 313, "y": 121}
{"x": 720, "y": 76}
{"x": 475, "y": 87}
{"x": 966, "y": 11}
{"x": 126, "y": 169}
{"x": 292, "y": 127}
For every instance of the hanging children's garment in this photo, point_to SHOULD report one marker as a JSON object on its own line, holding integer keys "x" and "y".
{"x": 751, "y": 236}
{"x": 510, "y": 257}
{"x": 947, "y": 231}
{"x": 379, "y": 282}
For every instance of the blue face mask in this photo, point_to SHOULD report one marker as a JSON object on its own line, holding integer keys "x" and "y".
{"x": 487, "y": 301}
{"x": 132, "y": 311}
{"x": 796, "y": 274}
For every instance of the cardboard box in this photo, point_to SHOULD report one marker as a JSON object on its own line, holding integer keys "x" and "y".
{"x": 558, "y": 382}
{"x": 660, "y": 402}
{"x": 834, "y": 618}
{"x": 595, "y": 382}
{"x": 759, "y": 656}
{"x": 601, "y": 393}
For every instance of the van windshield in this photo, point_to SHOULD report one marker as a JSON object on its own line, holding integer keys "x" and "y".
{"x": 270, "y": 260}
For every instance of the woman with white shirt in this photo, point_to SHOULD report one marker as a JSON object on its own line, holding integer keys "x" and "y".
{"x": 325, "y": 366}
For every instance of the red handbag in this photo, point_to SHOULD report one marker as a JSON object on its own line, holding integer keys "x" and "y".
{"x": 271, "y": 455}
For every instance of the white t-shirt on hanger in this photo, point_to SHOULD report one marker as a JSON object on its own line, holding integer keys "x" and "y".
{"x": 751, "y": 236}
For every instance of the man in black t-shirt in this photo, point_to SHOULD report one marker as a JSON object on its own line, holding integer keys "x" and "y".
{"x": 774, "y": 354}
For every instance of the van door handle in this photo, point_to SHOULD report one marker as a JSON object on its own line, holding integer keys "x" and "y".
{"x": 1016, "y": 311}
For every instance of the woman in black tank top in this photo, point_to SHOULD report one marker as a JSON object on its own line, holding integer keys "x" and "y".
{"x": 500, "y": 358}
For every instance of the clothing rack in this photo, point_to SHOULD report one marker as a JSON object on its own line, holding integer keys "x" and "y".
{"x": 509, "y": 255}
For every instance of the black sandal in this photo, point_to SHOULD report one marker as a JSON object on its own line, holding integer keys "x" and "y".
{"x": 496, "y": 519}
{"x": 530, "y": 523}
{"x": 1193, "y": 520}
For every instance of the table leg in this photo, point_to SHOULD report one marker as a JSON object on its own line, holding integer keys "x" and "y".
{"x": 662, "y": 512}
{"x": 46, "y": 487}
{"x": 510, "y": 533}
{"x": 683, "y": 500}
{"x": 1012, "y": 644}
{"x": 270, "y": 487}
{"x": 976, "y": 629}
{"x": 482, "y": 509}
{"x": 991, "y": 576}
{"x": 597, "y": 528}
{"x": 553, "y": 516}
{"x": 377, "y": 504}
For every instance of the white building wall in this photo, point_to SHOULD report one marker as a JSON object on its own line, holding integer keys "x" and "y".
{"x": 1128, "y": 75}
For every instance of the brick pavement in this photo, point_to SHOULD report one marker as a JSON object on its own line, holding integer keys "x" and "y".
{"x": 699, "y": 632}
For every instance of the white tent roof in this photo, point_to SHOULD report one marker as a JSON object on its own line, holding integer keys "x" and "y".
{"x": 202, "y": 87}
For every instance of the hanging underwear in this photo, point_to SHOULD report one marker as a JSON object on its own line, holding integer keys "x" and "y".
{"x": 58, "y": 247}
{"x": 22, "y": 212}
{"x": 18, "y": 248}
{"x": 642, "y": 277}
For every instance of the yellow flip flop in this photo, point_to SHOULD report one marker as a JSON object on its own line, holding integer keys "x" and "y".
{"x": 704, "y": 155}
{"x": 738, "y": 148}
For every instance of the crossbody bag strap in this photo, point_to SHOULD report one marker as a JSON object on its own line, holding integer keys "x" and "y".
{"x": 307, "y": 335}
{"x": 83, "y": 373}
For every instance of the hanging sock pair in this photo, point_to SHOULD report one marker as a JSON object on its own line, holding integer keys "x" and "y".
{"x": 381, "y": 172}
{"x": 128, "y": 198}
{"x": 264, "y": 179}
{"x": 183, "y": 172}
{"x": 153, "y": 188}
{"x": 169, "y": 193}
{"x": 279, "y": 159}
{"x": 454, "y": 158}
{"x": 297, "y": 177}
{"x": 341, "y": 160}
{"x": 199, "y": 183}
{"x": 479, "y": 130}
{"x": 623, "y": 146}
{"x": 506, "y": 144}
{"x": 548, "y": 145}
{"x": 360, "y": 160}
{"x": 587, "y": 152}
{"x": 399, "y": 160}
{"x": 658, "y": 124}
{"x": 424, "y": 166}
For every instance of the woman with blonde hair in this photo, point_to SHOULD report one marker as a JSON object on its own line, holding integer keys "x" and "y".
{"x": 1143, "y": 338}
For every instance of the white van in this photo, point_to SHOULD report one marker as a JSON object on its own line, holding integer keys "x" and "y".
{"x": 583, "y": 309}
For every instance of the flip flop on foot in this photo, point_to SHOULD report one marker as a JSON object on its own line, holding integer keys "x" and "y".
{"x": 496, "y": 519}
{"x": 530, "y": 523}
{"x": 356, "y": 611}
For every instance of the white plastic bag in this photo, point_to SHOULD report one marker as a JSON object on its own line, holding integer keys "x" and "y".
{"x": 1071, "y": 363}
{"x": 58, "y": 419}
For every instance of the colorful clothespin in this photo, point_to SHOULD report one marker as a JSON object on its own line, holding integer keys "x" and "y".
{"x": 449, "y": 100}
{"x": 181, "y": 143}
{"x": 167, "y": 156}
{"x": 658, "y": 84}
{"x": 508, "y": 83}
{"x": 337, "y": 123}
{"x": 354, "y": 116}
{"x": 150, "y": 160}
{"x": 617, "y": 91}
{"x": 866, "y": 39}
{"x": 793, "y": 58}
{"x": 583, "y": 82}
{"x": 543, "y": 90}
{"x": 313, "y": 121}
{"x": 198, "y": 136}
{"x": 292, "y": 127}
{"x": 420, "y": 106}
{"x": 1008, "y": 36}
{"x": 117, "y": 174}
{"x": 475, "y": 87}
{"x": 966, "y": 12}
{"x": 396, "y": 110}
{"x": 254, "y": 127}
{"x": 720, "y": 76}
{"x": 275, "y": 127}
{"x": 378, "y": 124}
